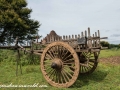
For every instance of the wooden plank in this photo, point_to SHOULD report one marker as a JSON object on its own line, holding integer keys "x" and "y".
{"x": 104, "y": 38}
{"x": 12, "y": 47}
{"x": 82, "y": 50}
{"x": 95, "y": 50}
{"x": 37, "y": 53}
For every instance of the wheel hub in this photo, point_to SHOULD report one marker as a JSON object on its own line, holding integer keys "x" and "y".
{"x": 56, "y": 64}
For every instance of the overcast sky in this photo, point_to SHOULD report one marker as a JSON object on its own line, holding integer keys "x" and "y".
{"x": 69, "y": 17}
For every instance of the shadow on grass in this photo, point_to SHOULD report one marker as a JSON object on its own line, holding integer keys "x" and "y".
{"x": 93, "y": 78}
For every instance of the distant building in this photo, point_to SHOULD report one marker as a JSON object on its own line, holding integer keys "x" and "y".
{"x": 52, "y": 36}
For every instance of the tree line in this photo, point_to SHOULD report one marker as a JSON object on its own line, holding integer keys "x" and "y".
{"x": 107, "y": 44}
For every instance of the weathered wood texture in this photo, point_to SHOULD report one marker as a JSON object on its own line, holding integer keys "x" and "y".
{"x": 92, "y": 42}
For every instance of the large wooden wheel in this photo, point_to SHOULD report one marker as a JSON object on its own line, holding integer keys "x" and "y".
{"x": 60, "y": 64}
{"x": 91, "y": 59}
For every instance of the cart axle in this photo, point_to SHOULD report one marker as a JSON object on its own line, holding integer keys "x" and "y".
{"x": 56, "y": 64}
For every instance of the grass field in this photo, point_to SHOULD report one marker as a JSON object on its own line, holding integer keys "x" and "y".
{"x": 109, "y": 52}
{"x": 105, "y": 77}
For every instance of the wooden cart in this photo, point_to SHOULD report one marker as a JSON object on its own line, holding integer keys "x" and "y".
{"x": 63, "y": 59}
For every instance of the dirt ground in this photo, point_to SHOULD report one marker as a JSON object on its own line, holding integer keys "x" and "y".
{"x": 113, "y": 60}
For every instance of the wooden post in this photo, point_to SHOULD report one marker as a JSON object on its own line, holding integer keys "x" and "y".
{"x": 89, "y": 37}
{"x": 78, "y": 35}
{"x": 88, "y": 32}
{"x": 75, "y": 36}
{"x": 72, "y": 36}
{"x": 18, "y": 62}
{"x": 63, "y": 37}
{"x": 66, "y": 37}
{"x": 93, "y": 41}
{"x": 69, "y": 37}
{"x": 82, "y": 34}
{"x": 99, "y": 38}
{"x": 96, "y": 39}
{"x": 86, "y": 39}
{"x": 85, "y": 33}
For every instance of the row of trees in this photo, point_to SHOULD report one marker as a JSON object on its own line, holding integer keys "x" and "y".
{"x": 15, "y": 21}
{"x": 106, "y": 44}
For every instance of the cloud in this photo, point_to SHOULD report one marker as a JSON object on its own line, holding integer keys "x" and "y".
{"x": 69, "y": 17}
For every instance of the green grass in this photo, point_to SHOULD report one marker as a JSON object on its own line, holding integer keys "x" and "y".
{"x": 109, "y": 52}
{"x": 105, "y": 77}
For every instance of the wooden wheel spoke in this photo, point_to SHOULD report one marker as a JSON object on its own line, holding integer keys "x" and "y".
{"x": 49, "y": 56}
{"x": 67, "y": 56}
{"x": 91, "y": 64}
{"x": 50, "y": 70}
{"x": 52, "y": 73}
{"x": 68, "y": 73}
{"x": 65, "y": 63}
{"x": 57, "y": 79}
{"x": 68, "y": 68}
{"x": 92, "y": 60}
{"x": 56, "y": 51}
{"x": 69, "y": 60}
{"x": 86, "y": 68}
{"x": 52, "y": 50}
{"x": 67, "y": 78}
{"x": 46, "y": 58}
{"x": 47, "y": 68}
{"x": 81, "y": 69}
{"x": 63, "y": 76}
{"x": 53, "y": 76}
{"x": 62, "y": 51}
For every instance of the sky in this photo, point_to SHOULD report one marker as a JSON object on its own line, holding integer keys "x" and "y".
{"x": 71, "y": 17}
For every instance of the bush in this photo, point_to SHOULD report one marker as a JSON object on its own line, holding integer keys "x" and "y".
{"x": 12, "y": 56}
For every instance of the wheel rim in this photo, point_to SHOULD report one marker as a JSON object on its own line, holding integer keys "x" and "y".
{"x": 84, "y": 56}
{"x": 60, "y": 64}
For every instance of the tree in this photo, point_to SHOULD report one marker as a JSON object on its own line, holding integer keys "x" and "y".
{"x": 105, "y": 44}
{"x": 15, "y": 21}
